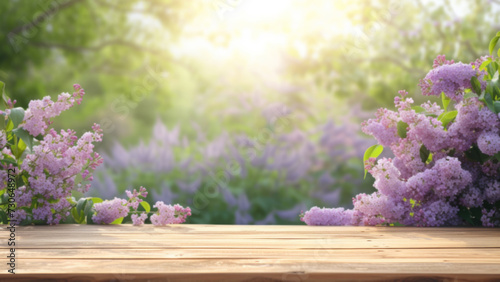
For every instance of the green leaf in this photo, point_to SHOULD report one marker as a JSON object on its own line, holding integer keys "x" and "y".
{"x": 3, "y": 217}
{"x": 25, "y": 136}
{"x": 418, "y": 109}
{"x": 495, "y": 91}
{"x": 474, "y": 154}
{"x": 80, "y": 205}
{"x": 476, "y": 85}
{"x": 424, "y": 154}
{"x": 146, "y": 206}
{"x": 89, "y": 215}
{"x": 17, "y": 115}
{"x": 489, "y": 102}
{"x": 4, "y": 96}
{"x": 464, "y": 213}
{"x": 79, "y": 217}
{"x": 491, "y": 69}
{"x": 496, "y": 105}
{"x": 448, "y": 117}
{"x": 96, "y": 200}
{"x": 495, "y": 76}
{"x": 485, "y": 64}
{"x": 118, "y": 221}
{"x": 372, "y": 152}
{"x": 89, "y": 206}
{"x": 446, "y": 101}
{"x": 497, "y": 156}
{"x": 493, "y": 43}
{"x": 476, "y": 215}
{"x": 470, "y": 95}
{"x": 402, "y": 126}
{"x": 8, "y": 161}
{"x": 21, "y": 146}
{"x": 10, "y": 126}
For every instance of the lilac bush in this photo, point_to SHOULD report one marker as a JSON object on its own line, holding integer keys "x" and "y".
{"x": 41, "y": 170}
{"x": 445, "y": 169}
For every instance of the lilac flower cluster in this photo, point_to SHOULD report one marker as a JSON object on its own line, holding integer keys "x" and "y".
{"x": 52, "y": 168}
{"x": 443, "y": 172}
{"x": 109, "y": 211}
{"x": 37, "y": 116}
{"x": 450, "y": 78}
{"x": 49, "y": 170}
{"x": 168, "y": 214}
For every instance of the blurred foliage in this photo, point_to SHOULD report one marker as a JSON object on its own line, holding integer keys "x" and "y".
{"x": 268, "y": 178}
{"x": 334, "y": 52}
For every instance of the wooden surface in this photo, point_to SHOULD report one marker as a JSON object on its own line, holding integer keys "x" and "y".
{"x": 252, "y": 253}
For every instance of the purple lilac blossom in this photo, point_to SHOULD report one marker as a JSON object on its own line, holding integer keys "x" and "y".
{"x": 168, "y": 214}
{"x": 110, "y": 210}
{"x": 450, "y": 79}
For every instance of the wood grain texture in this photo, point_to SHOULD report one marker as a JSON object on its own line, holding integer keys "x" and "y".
{"x": 252, "y": 253}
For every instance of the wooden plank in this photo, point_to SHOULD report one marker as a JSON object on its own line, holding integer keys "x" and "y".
{"x": 486, "y": 255}
{"x": 267, "y": 277}
{"x": 243, "y": 235}
{"x": 59, "y": 242}
{"x": 171, "y": 266}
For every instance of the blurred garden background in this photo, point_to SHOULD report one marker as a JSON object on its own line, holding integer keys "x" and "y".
{"x": 247, "y": 111}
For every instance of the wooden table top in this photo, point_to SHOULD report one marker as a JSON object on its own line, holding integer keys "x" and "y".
{"x": 258, "y": 253}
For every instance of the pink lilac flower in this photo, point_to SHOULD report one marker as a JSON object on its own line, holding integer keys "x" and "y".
{"x": 451, "y": 79}
{"x": 472, "y": 197}
{"x": 109, "y": 211}
{"x": 490, "y": 168}
{"x": 383, "y": 128}
{"x": 139, "y": 220}
{"x": 432, "y": 108}
{"x": 437, "y": 213}
{"x": 168, "y": 214}
{"x": 324, "y": 216}
{"x": 492, "y": 191}
{"x": 490, "y": 218}
{"x": 3, "y": 139}
{"x": 37, "y": 116}
{"x": 450, "y": 179}
{"x": 54, "y": 165}
{"x": 18, "y": 216}
{"x": 10, "y": 103}
{"x": 489, "y": 143}
{"x": 387, "y": 177}
{"x": 471, "y": 120}
{"x": 441, "y": 60}
{"x": 134, "y": 200}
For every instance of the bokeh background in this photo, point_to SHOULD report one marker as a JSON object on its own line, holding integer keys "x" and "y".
{"x": 247, "y": 111}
